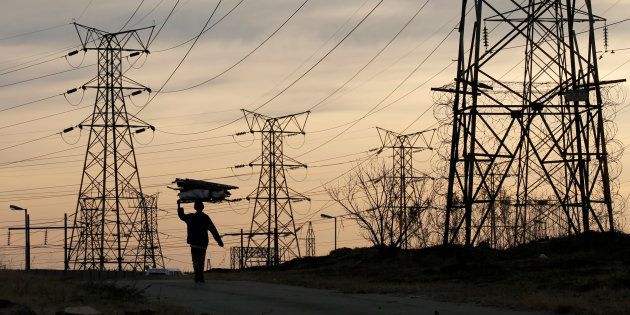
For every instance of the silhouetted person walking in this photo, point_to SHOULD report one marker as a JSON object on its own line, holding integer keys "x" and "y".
{"x": 198, "y": 224}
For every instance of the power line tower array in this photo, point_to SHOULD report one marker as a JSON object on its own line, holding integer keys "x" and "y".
{"x": 403, "y": 174}
{"x": 115, "y": 223}
{"x": 310, "y": 240}
{"x": 535, "y": 139}
{"x": 273, "y": 226}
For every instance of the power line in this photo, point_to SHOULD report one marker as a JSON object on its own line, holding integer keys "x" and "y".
{"x": 29, "y": 141}
{"x": 230, "y": 67}
{"x": 369, "y": 112}
{"x": 379, "y": 73}
{"x": 181, "y": 61}
{"x": 149, "y": 13}
{"x": 4, "y": 165}
{"x": 295, "y": 81}
{"x": 165, "y": 21}
{"x": 372, "y": 59}
{"x": 32, "y": 65}
{"x": 44, "y": 117}
{"x": 31, "y": 102}
{"x": 34, "y": 32}
{"x": 47, "y": 98}
{"x": 45, "y": 76}
{"x": 84, "y": 10}
{"x": 316, "y": 52}
{"x": 50, "y": 53}
{"x": 322, "y": 58}
{"x": 244, "y": 57}
{"x": 203, "y": 30}
{"x": 20, "y": 192}
{"x": 132, "y": 15}
{"x": 44, "y": 156}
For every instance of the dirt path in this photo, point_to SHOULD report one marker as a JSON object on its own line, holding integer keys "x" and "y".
{"x": 248, "y": 297}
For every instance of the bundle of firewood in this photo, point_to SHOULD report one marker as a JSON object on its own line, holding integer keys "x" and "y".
{"x": 191, "y": 190}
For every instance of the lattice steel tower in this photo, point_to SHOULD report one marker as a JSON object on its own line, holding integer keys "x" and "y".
{"x": 273, "y": 227}
{"x": 403, "y": 193}
{"x": 310, "y": 240}
{"x": 115, "y": 224}
{"x": 534, "y": 135}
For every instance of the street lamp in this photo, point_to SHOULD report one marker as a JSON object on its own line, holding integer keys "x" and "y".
{"x": 326, "y": 216}
{"x": 27, "y": 237}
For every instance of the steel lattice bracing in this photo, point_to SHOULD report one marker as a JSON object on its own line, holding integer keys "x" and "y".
{"x": 238, "y": 254}
{"x": 403, "y": 173}
{"x": 273, "y": 227}
{"x": 528, "y": 154}
{"x": 115, "y": 224}
{"x": 149, "y": 250}
{"x": 310, "y": 240}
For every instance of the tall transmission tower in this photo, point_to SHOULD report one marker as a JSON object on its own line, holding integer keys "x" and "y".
{"x": 115, "y": 223}
{"x": 273, "y": 226}
{"x": 536, "y": 136}
{"x": 310, "y": 240}
{"x": 403, "y": 174}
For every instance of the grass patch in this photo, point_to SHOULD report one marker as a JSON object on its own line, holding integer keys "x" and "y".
{"x": 47, "y": 294}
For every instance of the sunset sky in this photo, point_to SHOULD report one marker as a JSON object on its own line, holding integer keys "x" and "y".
{"x": 195, "y": 132}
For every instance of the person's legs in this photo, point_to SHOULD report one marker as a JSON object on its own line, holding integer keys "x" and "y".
{"x": 202, "y": 261}
{"x": 198, "y": 256}
{"x": 194, "y": 252}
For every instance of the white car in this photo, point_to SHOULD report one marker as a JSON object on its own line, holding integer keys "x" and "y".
{"x": 164, "y": 271}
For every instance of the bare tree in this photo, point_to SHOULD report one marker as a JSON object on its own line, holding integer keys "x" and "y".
{"x": 367, "y": 197}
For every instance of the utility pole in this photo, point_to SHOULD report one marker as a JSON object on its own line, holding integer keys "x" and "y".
{"x": 326, "y": 216}
{"x": 273, "y": 209}
{"x": 241, "y": 256}
{"x": 27, "y": 236}
{"x": 27, "y": 249}
{"x": 403, "y": 173}
{"x": 115, "y": 223}
{"x": 539, "y": 133}
{"x": 66, "y": 265}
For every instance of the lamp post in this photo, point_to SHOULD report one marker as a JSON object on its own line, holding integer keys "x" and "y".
{"x": 27, "y": 237}
{"x": 326, "y": 216}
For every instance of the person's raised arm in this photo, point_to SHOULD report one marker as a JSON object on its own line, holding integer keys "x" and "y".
{"x": 180, "y": 211}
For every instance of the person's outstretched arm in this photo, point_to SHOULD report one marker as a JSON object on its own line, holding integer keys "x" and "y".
{"x": 214, "y": 232}
{"x": 180, "y": 212}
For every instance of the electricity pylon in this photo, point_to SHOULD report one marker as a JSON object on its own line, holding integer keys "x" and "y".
{"x": 403, "y": 174}
{"x": 115, "y": 224}
{"x": 310, "y": 240}
{"x": 538, "y": 135}
{"x": 149, "y": 250}
{"x": 273, "y": 227}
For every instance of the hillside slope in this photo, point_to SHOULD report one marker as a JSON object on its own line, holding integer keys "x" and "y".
{"x": 577, "y": 274}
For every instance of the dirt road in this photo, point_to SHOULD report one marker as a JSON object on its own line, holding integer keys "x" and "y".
{"x": 248, "y": 297}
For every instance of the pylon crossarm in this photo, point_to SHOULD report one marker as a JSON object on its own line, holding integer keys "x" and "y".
{"x": 139, "y": 123}
{"x": 394, "y": 140}
{"x": 293, "y": 163}
{"x": 114, "y": 88}
{"x": 137, "y": 85}
{"x": 89, "y": 35}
